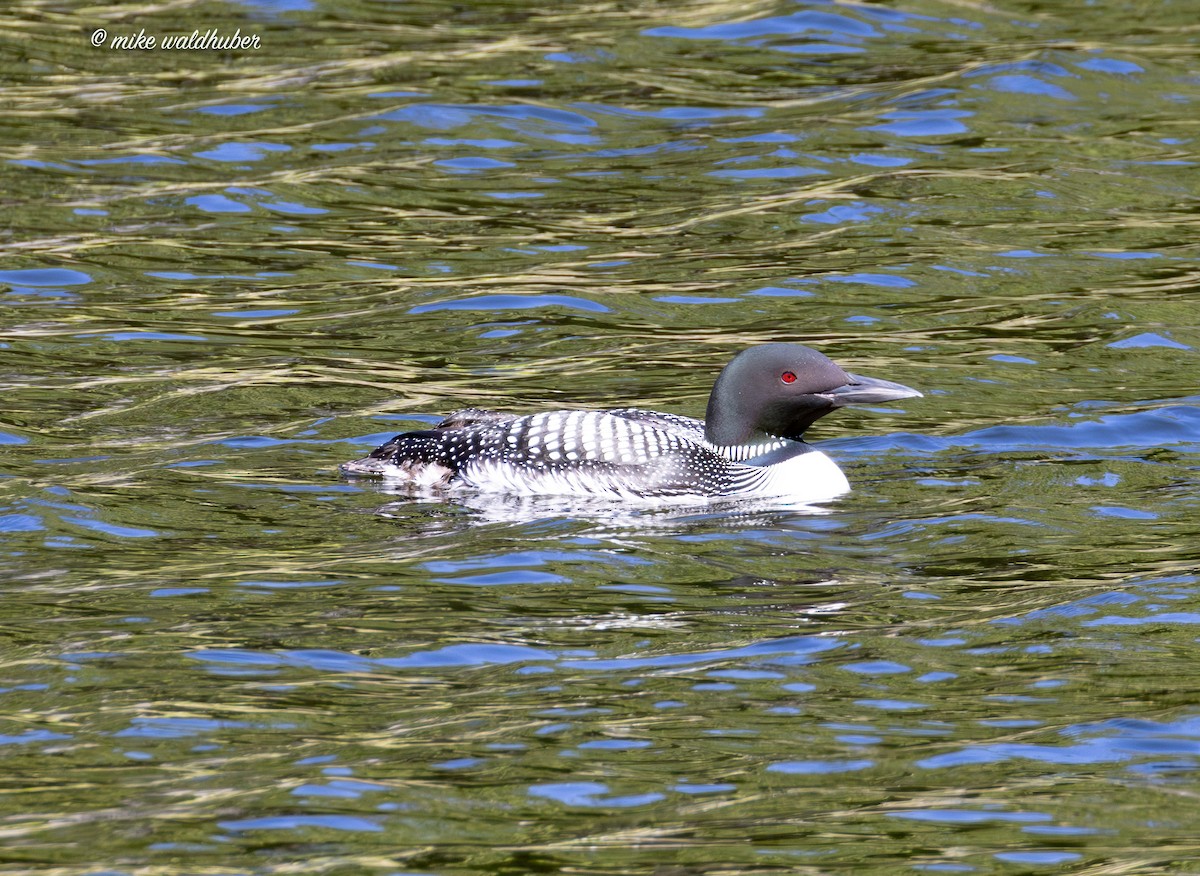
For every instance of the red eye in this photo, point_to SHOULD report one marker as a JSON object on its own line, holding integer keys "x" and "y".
{"x": 787, "y": 377}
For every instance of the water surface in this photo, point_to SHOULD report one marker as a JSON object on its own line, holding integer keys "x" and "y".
{"x": 226, "y": 272}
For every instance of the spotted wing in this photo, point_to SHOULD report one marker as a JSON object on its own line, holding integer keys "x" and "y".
{"x": 626, "y": 453}
{"x": 599, "y": 453}
{"x": 687, "y": 427}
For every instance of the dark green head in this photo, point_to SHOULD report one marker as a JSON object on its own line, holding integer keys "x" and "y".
{"x": 781, "y": 390}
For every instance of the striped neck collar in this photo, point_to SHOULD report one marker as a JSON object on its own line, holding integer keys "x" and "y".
{"x": 762, "y": 449}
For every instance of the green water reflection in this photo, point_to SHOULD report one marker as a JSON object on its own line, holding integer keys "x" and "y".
{"x": 226, "y": 273}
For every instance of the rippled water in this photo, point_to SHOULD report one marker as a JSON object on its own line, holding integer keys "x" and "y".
{"x": 226, "y": 272}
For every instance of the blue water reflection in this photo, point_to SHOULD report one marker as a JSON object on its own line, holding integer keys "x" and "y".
{"x": 1116, "y": 741}
{"x": 295, "y": 822}
{"x": 789, "y": 25}
{"x": 44, "y": 277}
{"x": 922, "y": 123}
{"x": 589, "y": 794}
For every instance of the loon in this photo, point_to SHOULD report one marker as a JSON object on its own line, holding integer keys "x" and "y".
{"x": 750, "y": 443}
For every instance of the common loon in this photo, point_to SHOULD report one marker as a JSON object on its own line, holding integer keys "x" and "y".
{"x": 749, "y": 444}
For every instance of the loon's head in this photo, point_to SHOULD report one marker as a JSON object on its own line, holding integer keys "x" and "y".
{"x": 781, "y": 389}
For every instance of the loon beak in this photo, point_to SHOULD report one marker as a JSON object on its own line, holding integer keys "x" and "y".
{"x": 868, "y": 391}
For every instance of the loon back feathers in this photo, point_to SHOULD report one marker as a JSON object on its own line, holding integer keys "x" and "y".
{"x": 687, "y": 426}
{"x": 626, "y": 452}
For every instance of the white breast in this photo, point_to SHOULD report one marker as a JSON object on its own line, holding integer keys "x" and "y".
{"x": 809, "y": 477}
